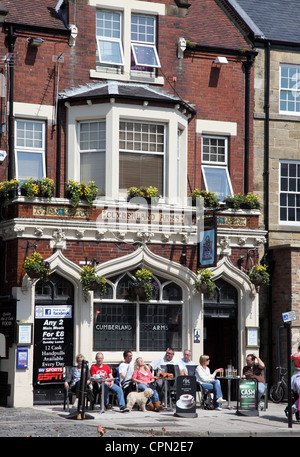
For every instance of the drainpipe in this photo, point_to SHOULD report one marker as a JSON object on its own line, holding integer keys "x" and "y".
{"x": 247, "y": 65}
{"x": 58, "y": 164}
{"x": 11, "y": 42}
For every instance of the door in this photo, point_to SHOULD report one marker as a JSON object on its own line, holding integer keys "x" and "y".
{"x": 53, "y": 338}
{"x": 220, "y": 327}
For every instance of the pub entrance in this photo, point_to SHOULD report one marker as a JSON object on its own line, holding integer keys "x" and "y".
{"x": 220, "y": 327}
{"x": 53, "y": 338}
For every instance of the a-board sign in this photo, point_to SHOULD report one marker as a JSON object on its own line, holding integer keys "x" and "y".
{"x": 186, "y": 396}
{"x": 247, "y": 397}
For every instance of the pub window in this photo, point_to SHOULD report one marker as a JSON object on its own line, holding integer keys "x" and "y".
{"x": 152, "y": 326}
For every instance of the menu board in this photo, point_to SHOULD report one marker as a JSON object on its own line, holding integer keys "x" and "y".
{"x": 53, "y": 336}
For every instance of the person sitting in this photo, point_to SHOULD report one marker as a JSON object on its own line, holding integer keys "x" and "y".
{"x": 167, "y": 363}
{"x": 255, "y": 370}
{"x": 186, "y": 359}
{"x": 295, "y": 381}
{"x": 144, "y": 379}
{"x": 208, "y": 381}
{"x": 126, "y": 369}
{"x": 104, "y": 371}
{"x": 72, "y": 382}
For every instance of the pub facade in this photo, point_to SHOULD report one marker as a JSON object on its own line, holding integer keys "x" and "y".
{"x": 141, "y": 97}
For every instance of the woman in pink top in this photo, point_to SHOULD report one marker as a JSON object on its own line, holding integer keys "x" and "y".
{"x": 295, "y": 381}
{"x": 143, "y": 377}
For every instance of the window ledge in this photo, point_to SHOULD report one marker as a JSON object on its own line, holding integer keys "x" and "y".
{"x": 95, "y": 74}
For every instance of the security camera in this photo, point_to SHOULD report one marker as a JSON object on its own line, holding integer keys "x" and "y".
{"x": 2, "y": 156}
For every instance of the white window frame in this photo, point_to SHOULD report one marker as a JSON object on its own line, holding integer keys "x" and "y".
{"x": 216, "y": 165}
{"x": 88, "y": 150}
{"x": 104, "y": 39}
{"x": 293, "y": 89}
{"x": 288, "y": 192}
{"x": 136, "y": 44}
{"x": 139, "y": 152}
{"x": 30, "y": 149}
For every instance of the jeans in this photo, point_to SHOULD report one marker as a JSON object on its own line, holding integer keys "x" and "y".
{"x": 261, "y": 387}
{"x": 215, "y": 387}
{"x": 142, "y": 387}
{"x": 118, "y": 391}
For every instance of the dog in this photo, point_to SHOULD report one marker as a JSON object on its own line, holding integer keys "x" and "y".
{"x": 140, "y": 398}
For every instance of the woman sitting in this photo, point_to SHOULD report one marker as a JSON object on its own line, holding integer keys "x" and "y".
{"x": 208, "y": 380}
{"x": 144, "y": 379}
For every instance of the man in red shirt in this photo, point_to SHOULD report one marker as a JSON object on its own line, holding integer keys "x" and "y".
{"x": 104, "y": 371}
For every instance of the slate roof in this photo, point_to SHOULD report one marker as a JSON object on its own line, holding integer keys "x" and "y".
{"x": 274, "y": 20}
{"x": 108, "y": 89}
{"x": 34, "y": 13}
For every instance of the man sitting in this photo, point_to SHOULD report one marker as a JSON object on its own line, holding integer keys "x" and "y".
{"x": 126, "y": 370}
{"x": 104, "y": 371}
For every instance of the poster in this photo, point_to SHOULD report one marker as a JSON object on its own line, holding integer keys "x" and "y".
{"x": 207, "y": 248}
{"x": 53, "y": 342}
{"x": 248, "y": 393}
{"x": 186, "y": 396}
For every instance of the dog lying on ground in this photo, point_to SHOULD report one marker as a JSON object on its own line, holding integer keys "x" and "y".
{"x": 140, "y": 398}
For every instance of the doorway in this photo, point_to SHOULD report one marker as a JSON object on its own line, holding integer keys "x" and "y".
{"x": 220, "y": 326}
{"x": 53, "y": 338}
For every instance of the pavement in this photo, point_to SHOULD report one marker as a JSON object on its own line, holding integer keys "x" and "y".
{"x": 52, "y": 421}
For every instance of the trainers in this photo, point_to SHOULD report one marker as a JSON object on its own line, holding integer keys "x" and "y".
{"x": 220, "y": 400}
{"x": 123, "y": 409}
{"x": 218, "y": 408}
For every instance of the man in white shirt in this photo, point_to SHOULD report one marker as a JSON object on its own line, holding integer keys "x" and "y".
{"x": 126, "y": 370}
{"x": 167, "y": 359}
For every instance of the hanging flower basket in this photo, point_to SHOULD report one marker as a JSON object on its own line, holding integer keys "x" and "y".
{"x": 204, "y": 282}
{"x": 91, "y": 281}
{"x": 259, "y": 276}
{"x": 36, "y": 267}
{"x": 144, "y": 286}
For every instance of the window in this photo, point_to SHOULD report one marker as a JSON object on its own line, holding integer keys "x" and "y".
{"x": 289, "y": 89}
{"x": 30, "y": 149}
{"x": 289, "y": 205}
{"x": 109, "y": 37}
{"x": 214, "y": 166}
{"x": 119, "y": 323}
{"x": 142, "y": 155}
{"x": 92, "y": 153}
{"x": 143, "y": 41}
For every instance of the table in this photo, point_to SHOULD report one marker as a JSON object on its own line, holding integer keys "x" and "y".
{"x": 165, "y": 382}
{"x": 229, "y": 379}
{"x": 101, "y": 381}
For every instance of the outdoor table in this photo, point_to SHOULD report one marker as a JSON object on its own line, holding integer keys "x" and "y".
{"x": 165, "y": 381}
{"x": 101, "y": 382}
{"x": 229, "y": 379}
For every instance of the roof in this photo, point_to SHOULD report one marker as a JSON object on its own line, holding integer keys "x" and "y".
{"x": 137, "y": 91}
{"x": 34, "y": 13}
{"x": 273, "y": 20}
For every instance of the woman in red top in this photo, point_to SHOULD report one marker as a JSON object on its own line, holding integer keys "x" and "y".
{"x": 143, "y": 377}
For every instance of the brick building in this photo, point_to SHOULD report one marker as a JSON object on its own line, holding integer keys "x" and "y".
{"x": 124, "y": 93}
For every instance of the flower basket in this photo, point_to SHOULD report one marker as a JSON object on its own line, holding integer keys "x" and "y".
{"x": 150, "y": 194}
{"x": 259, "y": 276}
{"x": 204, "y": 282}
{"x": 9, "y": 189}
{"x": 30, "y": 188}
{"x": 144, "y": 286}
{"x": 76, "y": 192}
{"x": 91, "y": 281}
{"x": 242, "y": 201}
{"x": 210, "y": 199}
{"x": 36, "y": 267}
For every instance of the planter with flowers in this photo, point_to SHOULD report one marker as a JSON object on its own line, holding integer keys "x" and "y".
{"x": 30, "y": 188}
{"x": 150, "y": 194}
{"x": 36, "y": 267}
{"x": 46, "y": 186}
{"x": 243, "y": 201}
{"x": 91, "y": 281}
{"x": 9, "y": 189}
{"x": 144, "y": 285}
{"x": 204, "y": 282}
{"x": 259, "y": 275}
{"x": 210, "y": 199}
{"x": 77, "y": 191}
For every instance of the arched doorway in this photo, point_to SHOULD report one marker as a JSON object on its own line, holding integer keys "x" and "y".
{"x": 220, "y": 326}
{"x": 53, "y": 338}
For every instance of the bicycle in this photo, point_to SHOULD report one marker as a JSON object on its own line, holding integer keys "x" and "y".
{"x": 278, "y": 390}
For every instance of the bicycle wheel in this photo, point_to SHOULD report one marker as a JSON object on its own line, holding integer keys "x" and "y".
{"x": 276, "y": 393}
